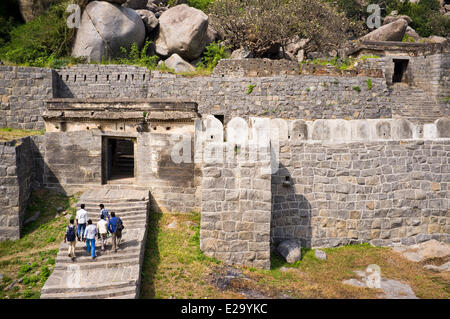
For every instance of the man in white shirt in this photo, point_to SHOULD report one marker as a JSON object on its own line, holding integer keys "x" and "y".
{"x": 81, "y": 218}
{"x": 102, "y": 226}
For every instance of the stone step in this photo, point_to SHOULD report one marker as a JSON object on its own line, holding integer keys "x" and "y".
{"x": 91, "y": 288}
{"x": 123, "y": 297}
{"x": 86, "y": 257}
{"x": 109, "y": 293}
{"x": 110, "y": 206}
{"x": 94, "y": 263}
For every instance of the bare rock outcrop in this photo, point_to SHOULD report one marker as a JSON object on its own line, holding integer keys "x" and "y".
{"x": 149, "y": 19}
{"x": 178, "y": 64}
{"x": 105, "y": 28}
{"x": 182, "y": 30}
{"x": 393, "y": 31}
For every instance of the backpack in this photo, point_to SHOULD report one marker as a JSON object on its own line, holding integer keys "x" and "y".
{"x": 119, "y": 225}
{"x": 70, "y": 235}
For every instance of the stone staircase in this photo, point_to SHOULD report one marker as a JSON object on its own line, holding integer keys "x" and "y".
{"x": 416, "y": 106}
{"x": 110, "y": 275}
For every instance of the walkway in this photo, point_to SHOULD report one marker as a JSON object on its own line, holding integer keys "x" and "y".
{"x": 109, "y": 275}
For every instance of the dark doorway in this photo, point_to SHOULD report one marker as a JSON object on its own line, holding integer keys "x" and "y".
{"x": 400, "y": 67}
{"x": 119, "y": 159}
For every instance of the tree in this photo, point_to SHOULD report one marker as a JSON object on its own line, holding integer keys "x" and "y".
{"x": 263, "y": 26}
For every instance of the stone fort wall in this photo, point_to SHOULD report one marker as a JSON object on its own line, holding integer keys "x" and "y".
{"x": 364, "y": 182}
{"x": 236, "y": 89}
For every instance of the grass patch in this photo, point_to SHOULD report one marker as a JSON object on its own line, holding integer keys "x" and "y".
{"x": 32, "y": 257}
{"x": 174, "y": 267}
{"x": 8, "y": 134}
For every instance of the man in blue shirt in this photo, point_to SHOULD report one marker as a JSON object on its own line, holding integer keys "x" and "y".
{"x": 104, "y": 212}
{"x": 115, "y": 227}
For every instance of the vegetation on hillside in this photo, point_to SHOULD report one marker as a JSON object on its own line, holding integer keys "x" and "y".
{"x": 425, "y": 15}
{"x": 26, "y": 263}
{"x": 40, "y": 41}
{"x": 261, "y": 25}
{"x": 264, "y": 25}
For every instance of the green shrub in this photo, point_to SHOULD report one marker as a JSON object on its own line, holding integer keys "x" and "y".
{"x": 214, "y": 52}
{"x": 250, "y": 88}
{"x": 45, "y": 273}
{"x": 24, "y": 269}
{"x": 134, "y": 56}
{"x": 199, "y": 4}
{"x": 357, "y": 88}
{"x": 35, "y": 42}
{"x": 263, "y": 26}
{"x": 369, "y": 84}
{"x": 29, "y": 280}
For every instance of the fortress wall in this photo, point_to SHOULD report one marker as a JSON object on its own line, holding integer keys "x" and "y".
{"x": 102, "y": 81}
{"x": 16, "y": 180}
{"x": 382, "y": 192}
{"x": 291, "y": 97}
{"x": 24, "y": 89}
{"x": 22, "y": 94}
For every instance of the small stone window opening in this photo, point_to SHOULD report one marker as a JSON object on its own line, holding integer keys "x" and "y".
{"x": 400, "y": 66}
{"x": 84, "y": 78}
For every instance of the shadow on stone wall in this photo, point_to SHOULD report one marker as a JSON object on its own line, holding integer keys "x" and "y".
{"x": 152, "y": 257}
{"x": 291, "y": 212}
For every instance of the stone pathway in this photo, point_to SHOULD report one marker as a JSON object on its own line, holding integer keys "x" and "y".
{"x": 109, "y": 275}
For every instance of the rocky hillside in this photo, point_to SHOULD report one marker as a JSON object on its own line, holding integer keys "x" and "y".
{"x": 178, "y": 33}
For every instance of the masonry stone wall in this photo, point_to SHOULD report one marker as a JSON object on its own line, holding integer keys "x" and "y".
{"x": 380, "y": 192}
{"x": 16, "y": 181}
{"x": 22, "y": 94}
{"x": 102, "y": 81}
{"x": 72, "y": 161}
{"x": 235, "y": 222}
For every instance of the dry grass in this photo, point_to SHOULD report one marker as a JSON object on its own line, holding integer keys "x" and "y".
{"x": 175, "y": 268}
{"x": 8, "y": 134}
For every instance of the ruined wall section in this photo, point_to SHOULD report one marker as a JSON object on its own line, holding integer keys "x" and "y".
{"x": 22, "y": 94}
{"x": 16, "y": 181}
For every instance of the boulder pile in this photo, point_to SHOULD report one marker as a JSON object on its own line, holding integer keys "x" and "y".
{"x": 180, "y": 33}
